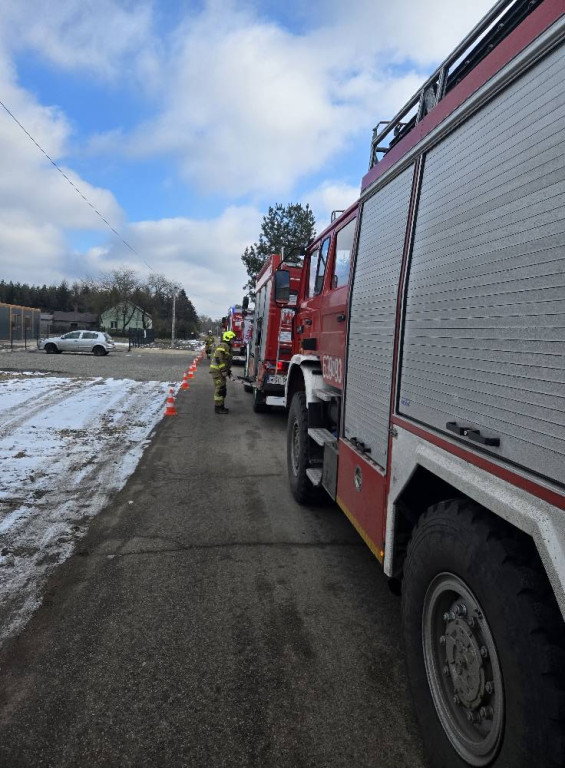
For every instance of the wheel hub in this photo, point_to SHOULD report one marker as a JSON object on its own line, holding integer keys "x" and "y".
{"x": 465, "y": 663}
{"x": 463, "y": 670}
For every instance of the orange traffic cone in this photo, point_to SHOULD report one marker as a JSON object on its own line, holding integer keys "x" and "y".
{"x": 185, "y": 384}
{"x": 191, "y": 374}
{"x": 170, "y": 410}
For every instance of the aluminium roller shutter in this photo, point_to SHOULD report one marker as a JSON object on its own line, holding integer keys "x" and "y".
{"x": 484, "y": 341}
{"x": 373, "y": 314}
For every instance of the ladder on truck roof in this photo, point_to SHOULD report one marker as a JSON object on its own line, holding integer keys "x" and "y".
{"x": 498, "y": 23}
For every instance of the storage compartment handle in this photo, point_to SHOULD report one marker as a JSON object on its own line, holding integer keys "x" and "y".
{"x": 472, "y": 434}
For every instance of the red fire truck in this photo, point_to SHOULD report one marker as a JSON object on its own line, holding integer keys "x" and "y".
{"x": 438, "y": 425}
{"x": 234, "y": 322}
{"x": 270, "y": 348}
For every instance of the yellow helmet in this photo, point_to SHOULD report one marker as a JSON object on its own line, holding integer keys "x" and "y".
{"x": 228, "y": 336}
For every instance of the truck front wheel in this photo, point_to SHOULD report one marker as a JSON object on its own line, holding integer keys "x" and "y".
{"x": 484, "y": 643}
{"x": 298, "y": 453}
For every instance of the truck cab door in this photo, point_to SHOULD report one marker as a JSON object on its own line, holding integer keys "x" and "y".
{"x": 334, "y": 306}
{"x": 308, "y": 321}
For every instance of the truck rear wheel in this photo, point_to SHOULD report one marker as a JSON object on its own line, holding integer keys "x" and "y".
{"x": 259, "y": 401}
{"x": 298, "y": 453}
{"x": 484, "y": 642}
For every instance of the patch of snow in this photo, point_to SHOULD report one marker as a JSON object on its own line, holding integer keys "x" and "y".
{"x": 66, "y": 447}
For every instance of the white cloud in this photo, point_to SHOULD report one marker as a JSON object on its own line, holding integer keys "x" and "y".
{"x": 244, "y": 106}
{"x": 251, "y": 108}
{"x": 38, "y": 205}
{"x": 103, "y": 36}
{"x": 30, "y": 251}
{"x": 329, "y": 197}
{"x": 422, "y": 32}
{"x": 203, "y": 256}
{"x": 247, "y": 108}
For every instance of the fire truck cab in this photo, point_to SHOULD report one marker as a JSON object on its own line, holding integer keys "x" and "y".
{"x": 317, "y": 365}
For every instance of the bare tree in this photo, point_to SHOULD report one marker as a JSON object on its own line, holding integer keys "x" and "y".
{"x": 160, "y": 284}
{"x": 121, "y": 284}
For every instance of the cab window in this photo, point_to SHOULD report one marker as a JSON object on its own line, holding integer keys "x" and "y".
{"x": 321, "y": 271}
{"x": 343, "y": 248}
{"x": 313, "y": 272}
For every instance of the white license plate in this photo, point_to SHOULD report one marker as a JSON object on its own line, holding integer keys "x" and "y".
{"x": 276, "y": 379}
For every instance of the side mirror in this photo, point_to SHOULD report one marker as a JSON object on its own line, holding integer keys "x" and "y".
{"x": 245, "y": 303}
{"x": 282, "y": 287}
{"x": 224, "y": 323}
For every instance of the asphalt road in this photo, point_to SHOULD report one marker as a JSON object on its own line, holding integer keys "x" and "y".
{"x": 207, "y": 620}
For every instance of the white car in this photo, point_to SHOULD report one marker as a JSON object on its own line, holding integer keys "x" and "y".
{"x": 79, "y": 341}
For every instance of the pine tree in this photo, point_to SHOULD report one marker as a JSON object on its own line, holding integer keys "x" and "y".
{"x": 290, "y": 227}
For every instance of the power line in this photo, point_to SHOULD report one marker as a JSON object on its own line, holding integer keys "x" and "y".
{"x": 73, "y": 185}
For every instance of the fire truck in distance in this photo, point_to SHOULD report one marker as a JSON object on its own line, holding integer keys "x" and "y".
{"x": 428, "y": 400}
{"x": 270, "y": 348}
{"x": 234, "y": 322}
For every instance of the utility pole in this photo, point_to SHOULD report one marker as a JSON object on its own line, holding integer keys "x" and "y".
{"x": 174, "y": 321}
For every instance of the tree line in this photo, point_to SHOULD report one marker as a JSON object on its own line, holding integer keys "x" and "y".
{"x": 96, "y": 295}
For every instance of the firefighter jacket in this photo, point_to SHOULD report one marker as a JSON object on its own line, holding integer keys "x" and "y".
{"x": 221, "y": 359}
{"x": 209, "y": 342}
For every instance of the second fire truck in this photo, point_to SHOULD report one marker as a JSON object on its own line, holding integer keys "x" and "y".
{"x": 234, "y": 321}
{"x": 270, "y": 348}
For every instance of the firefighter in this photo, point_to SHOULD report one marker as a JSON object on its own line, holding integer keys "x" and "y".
{"x": 209, "y": 343}
{"x": 220, "y": 368}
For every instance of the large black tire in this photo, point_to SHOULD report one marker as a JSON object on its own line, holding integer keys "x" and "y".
{"x": 298, "y": 452}
{"x": 484, "y": 641}
{"x": 259, "y": 401}
{"x": 51, "y": 349}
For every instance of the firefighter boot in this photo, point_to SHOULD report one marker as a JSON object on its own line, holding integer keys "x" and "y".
{"x": 221, "y": 409}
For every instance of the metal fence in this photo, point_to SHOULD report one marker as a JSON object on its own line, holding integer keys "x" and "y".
{"x": 139, "y": 337}
{"x": 18, "y": 325}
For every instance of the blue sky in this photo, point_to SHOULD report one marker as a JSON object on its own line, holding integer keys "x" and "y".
{"x": 183, "y": 121}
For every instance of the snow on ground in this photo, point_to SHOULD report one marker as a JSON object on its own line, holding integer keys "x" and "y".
{"x": 66, "y": 446}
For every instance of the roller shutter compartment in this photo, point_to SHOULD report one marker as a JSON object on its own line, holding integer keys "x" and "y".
{"x": 372, "y": 315}
{"x": 484, "y": 337}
